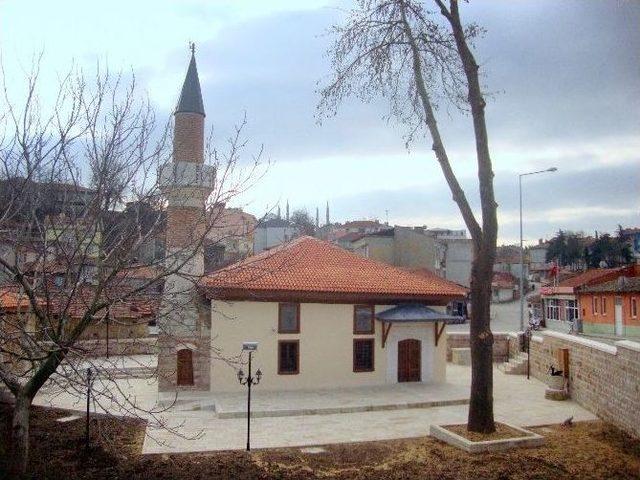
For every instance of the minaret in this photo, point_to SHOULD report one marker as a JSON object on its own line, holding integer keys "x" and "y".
{"x": 327, "y": 219}
{"x": 287, "y": 210}
{"x": 317, "y": 217}
{"x": 184, "y": 337}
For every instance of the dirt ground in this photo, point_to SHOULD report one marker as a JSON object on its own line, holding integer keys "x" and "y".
{"x": 588, "y": 450}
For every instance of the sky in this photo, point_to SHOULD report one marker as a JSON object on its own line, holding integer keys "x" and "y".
{"x": 564, "y": 77}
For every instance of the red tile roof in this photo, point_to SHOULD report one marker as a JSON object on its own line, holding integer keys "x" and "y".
{"x": 503, "y": 280}
{"x": 12, "y": 300}
{"x": 308, "y": 269}
{"x": 589, "y": 276}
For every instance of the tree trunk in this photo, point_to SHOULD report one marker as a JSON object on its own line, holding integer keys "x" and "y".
{"x": 480, "y": 417}
{"x": 20, "y": 436}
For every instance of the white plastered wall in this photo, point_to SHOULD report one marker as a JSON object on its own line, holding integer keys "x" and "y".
{"x": 326, "y": 347}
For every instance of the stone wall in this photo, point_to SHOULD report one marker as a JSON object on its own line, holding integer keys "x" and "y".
{"x": 501, "y": 342}
{"x": 117, "y": 346}
{"x": 604, "y": 379}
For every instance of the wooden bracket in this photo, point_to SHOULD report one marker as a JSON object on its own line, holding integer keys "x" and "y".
{"x": 385, "y": 332}
{"x": 439, "y": 331}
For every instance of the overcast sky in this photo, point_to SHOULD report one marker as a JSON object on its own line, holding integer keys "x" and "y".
{"x": 566, "y": 77}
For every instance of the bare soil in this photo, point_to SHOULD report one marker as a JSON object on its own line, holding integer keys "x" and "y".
{"x": 588, "y": 450}
{"x": 502, "y": 432}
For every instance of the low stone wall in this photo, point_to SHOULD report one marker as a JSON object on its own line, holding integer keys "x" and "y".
{"x": 604, "y": 379}
{"x": 501, "y": 342}
{"x": 118, "y": 346}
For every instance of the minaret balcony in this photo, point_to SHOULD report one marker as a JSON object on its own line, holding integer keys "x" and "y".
{"x": 189, "y": 175}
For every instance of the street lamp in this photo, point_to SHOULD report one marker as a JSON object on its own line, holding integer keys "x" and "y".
{"x": 249, "y": 380}
{"x": 552, "y": 169}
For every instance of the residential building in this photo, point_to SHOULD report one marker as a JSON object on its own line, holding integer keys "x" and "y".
{"x": 537, "y": 257}
{"x": 447, "y": 253}
{"x": 560, "y": 302}
{"x": 399, "y": 246}
{"x": 271, "y": 232}
{"x": 231, "y": 237}
{"x": 456, "y": 255}
{"x": 504, "y": 287}
{"x": 324, "y": 317}
{"x": 611, "y": 308}
{"x": 334, "y": 231}
{"x": 508, "y": 260}
{"x": 632, "y": 237}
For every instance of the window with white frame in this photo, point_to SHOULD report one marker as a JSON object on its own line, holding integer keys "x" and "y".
{"x": 594, "y": 305}
{"x": 571, "y": 310}
{"x": 553, "y": 309}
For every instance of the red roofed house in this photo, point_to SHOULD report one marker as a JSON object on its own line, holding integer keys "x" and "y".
{"x": 611, "y": 308}
{"x": 504, "y": 287}
{"x": 560, "y": 302}
{"x": 316, "y": 312}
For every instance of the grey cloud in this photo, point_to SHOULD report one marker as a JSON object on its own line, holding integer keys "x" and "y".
{"x": 563, "y": 71}
{"x": 613, "y": 186}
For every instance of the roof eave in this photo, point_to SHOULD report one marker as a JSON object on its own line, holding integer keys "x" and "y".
{"x": 380, "y": 298}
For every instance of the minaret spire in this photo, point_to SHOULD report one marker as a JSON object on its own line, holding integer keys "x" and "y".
{"x": 327, "y": 214}
{"x": 191, "y": 94}
{"x": 287, "y": 210}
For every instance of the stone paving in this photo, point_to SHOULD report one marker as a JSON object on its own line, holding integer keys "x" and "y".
{"x": 346, "y": 400}
{"x": 517, "y": 401}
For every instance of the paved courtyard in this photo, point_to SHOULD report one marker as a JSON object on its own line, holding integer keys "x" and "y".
{"x": 390, "y": 412}
{"x": 517, "y": 400}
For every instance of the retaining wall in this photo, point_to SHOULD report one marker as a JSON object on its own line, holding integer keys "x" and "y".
{"x": 605, "y": 379}
{"x": 501, "y": 342}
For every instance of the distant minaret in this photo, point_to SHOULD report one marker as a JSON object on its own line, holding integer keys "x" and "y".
{"x": 317, "y": 217}
{"x": 279, "y": 211}
{"x": 327, "y": 219}
{"x": 184, "y": 337}
{"x": 287, "y": 212}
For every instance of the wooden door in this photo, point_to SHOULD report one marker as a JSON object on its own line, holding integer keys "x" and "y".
{"x": 409, "y": 360}
{"x": 185, "y": 367}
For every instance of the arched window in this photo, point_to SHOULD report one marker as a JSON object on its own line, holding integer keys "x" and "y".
{"x": 185, "y": 367}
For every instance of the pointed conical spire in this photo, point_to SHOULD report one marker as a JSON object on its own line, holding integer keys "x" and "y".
{"x": 327, "y": 213}
{"x": 191, "y": 95}
{"x": 287, "y": 210}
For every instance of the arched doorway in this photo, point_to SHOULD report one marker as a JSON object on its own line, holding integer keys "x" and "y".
{"x": 185, "y": 367}
{"x": 409, "y": 360}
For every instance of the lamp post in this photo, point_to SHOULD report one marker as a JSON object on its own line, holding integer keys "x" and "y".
{"x": 552, "y": 169}
{"x": 86, "y": 429}
{"x": 249, "y": 380}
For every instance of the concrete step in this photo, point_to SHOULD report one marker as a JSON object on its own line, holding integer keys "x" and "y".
{"x": 128, "y": 372}
{"x": 515, "y": 366}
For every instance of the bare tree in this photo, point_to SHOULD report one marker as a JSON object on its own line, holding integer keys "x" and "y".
{"x": 416, "y": 58}
{"x": 82, "y": 224}
{"x": 303, "y": 222}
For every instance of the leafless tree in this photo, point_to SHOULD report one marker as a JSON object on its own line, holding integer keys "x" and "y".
{"x": 417, "y": 58}
{"x": 303, "y": 222}
{"x": 82, "y": 225}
